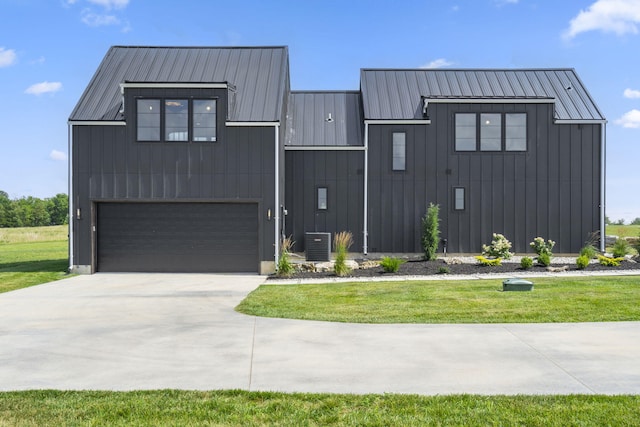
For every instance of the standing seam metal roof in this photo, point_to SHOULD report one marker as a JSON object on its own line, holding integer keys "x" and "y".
{"x": 308, "y": 122}
{"x": 397, "y": 94}
{"x": 259, "y": 75}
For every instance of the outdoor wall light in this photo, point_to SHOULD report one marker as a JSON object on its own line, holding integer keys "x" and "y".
{"x": 269, "y": 214}
{"x": 78, "y": 213}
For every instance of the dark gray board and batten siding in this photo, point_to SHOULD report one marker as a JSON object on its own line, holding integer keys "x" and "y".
{"x": 551, "y": 190}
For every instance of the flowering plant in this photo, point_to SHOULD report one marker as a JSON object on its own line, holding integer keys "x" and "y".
{"x": 499, "y": 247}
{"x": 541, "y": 247}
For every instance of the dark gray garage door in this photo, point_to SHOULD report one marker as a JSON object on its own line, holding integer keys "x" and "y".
{"x": 177, "y": 237}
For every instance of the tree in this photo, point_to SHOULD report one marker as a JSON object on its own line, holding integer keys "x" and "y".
{"x": 431, "y": 232}
{"x": 619, "y": 222}
{"x": 636, "y": 221}
{"x": 607, "y": 220}
{"x": 58, "y": 208}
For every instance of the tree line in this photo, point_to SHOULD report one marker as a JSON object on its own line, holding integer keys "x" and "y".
{"x": 32, "y": 211}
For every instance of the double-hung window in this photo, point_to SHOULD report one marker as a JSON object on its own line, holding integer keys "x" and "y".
{"x": 176, "y": 120}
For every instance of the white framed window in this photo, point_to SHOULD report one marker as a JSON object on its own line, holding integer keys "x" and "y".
{"x": 399, "y": 162}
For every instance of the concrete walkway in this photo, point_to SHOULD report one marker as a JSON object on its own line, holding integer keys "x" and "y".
{"x": 150, "y": 331}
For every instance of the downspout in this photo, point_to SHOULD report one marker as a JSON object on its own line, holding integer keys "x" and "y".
{"x": 365, "y": 237}
{"x": 276, "y": 209}
{"x": 70, "y": 198}
{"x": 603, "y": 181}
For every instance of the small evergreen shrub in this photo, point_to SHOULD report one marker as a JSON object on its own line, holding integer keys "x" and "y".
{"x": 444, "y": 270}
{"x": 541, "y": 247}
{"x": 391, "y": 264}
{"x": 488, "y": 262}
{"x": 610, "y": 262}
{"x": 285, "y": 266}
{"x": 341, "y": 242}
{"x": 526, "y": 263}
{"x": 544, "y": 260}
{"x": 589, "y": 251}
{"x": 582, "y": 262}
{"x": 498, "y": 248}
{"x": 431, "y": 232}
{"x": 620, "y": 248}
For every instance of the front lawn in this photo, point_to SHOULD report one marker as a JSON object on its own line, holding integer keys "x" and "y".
{"x": 31, "y": 256}
{"x": 567, "y": 299}
{"x": 240, "y": 408}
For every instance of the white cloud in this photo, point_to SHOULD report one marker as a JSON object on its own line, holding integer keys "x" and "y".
{"x": 503, "y": 2}
{"x": 631, "y": 93}
{"x": 109, "y": 4}
{"x": 610, "y": 16}
{"x": 438, "y": 63}
{"x": 57, "y": 155}
{"x": 98, "y": 20}
{"x": 7, "y": 57}
{"x": 630, "y": 119}
{"x": 44, "y": 87}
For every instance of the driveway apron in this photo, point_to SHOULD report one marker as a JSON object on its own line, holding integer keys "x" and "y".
{"x": 153, "y": 331}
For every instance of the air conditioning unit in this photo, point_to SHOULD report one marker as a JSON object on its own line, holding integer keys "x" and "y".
{"x": 317, "y": 246}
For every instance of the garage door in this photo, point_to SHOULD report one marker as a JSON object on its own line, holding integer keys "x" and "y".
{"x": 177, "y": 237}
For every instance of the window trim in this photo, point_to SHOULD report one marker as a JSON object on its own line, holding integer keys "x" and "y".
{"x": 163, "y": 122}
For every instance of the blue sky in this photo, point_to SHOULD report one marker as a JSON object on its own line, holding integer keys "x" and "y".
{"x": 49, "y": 49}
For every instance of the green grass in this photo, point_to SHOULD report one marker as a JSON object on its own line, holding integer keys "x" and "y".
{"x": 31, "y": 256}
{"x": 623, "y": 230}
{"x": 569, "y": 299}
{"x": 240, "y": 408}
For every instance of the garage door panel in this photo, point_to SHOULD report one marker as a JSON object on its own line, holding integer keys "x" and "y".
{"x": 177, "y": 237}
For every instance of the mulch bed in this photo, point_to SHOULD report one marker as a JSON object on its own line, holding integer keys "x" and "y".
{"x": 426, "y": 268}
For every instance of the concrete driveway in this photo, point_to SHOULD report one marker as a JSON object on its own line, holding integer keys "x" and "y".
{"x": 150, "y": 331}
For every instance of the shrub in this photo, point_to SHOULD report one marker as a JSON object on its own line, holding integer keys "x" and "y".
{"x": 341, "y": 242}
{"x": 526, "y": 263}
{"x": 487, "y": 262}
{"x": 285, "y": 266}
{"x": 589, "y": 251}
{"x": 610, "y": 262}
{"x": 499, "y": 247}
{"x": 391, "y": 264}
{"x": 431, "y": 232}
{"x": 620, "y": 248}
{"x": 444, "y": 270}
{"x": 582, "y": 262}
{"x": 544, "y": 260}
{"x": 541, "y": 247}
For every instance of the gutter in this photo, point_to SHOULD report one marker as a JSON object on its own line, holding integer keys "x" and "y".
{"x": 70, "y": 184}
{"x": 603, "y": 182}
{"x": 365, "y": 236}
{"x": 276, "y": 207}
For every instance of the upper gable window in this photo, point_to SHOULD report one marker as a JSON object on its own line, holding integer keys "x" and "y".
{"x": 498, "y": 132}
{"x": 176, "y": 120}
{"x": 148, "y": 119}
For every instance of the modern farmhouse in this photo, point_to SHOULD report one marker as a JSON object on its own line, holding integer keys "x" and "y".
{"x": 199, "y": 159}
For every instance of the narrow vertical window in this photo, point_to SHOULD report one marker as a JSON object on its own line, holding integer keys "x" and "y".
{"x": 490, "y": 132}
{"x": 322, "y": 198}
{"x": 148, "y": 119}
{"x": 515, "y": 131}
{"x": 465, "y": 131}
{"x": 176, "y": 119}
{"x": 204, "y": 120}
{"x": 399, "y": 151}
{"x": 458, "y": 198}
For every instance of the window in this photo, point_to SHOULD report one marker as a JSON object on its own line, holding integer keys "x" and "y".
{"x": 175, "y": 120}
{"x": 465, "y": 132}
{"x": 515, "y": 132}
{"x": 399, "y": 151}
{"x": 490, "y": 132}
{"x": 458, "y": 198}
{"x": 322, "y": 198}
{"x": 498, "y": 131}
{"x": 148, "y": 119}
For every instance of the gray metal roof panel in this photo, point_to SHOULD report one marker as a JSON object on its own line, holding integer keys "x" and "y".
{"x": 308, "y": 124}
{"x": 259, "y": 74}
{"x": 384, "y": 99}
